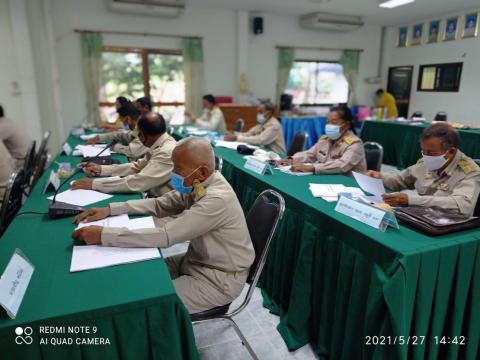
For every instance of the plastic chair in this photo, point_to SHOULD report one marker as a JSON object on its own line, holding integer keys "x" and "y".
{"x": 12, "y": 200}
{"x": 373, "y": 155}
{"x": 39, "y": 169}
{"x": 417, "y": 114}
{"x": 298, "y": 143}
{"x": 262, "y": 221}
{"x": 239, "y": 124}
{"x": 218, "y": 163}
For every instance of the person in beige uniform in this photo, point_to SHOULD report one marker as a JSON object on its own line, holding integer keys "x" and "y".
{"x": 151, "y": 173}
{"x": 205, "y": 210}
{"x": 212, "y": 118}
{"x": 340, "y": 151}
{"x": 14, "y": 138}
{"x": 267, "y": 133}
{"x": 443, "y": 177}
{"x": 7, "y": 167}
{"x": 128, "y": 142}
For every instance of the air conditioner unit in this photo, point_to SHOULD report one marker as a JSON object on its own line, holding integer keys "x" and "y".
{"x": 163, "y": 8}
{"x": 331, "y": 22}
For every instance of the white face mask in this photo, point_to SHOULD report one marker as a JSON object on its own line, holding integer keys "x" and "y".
{"x": 433, "y": 163}
{"x": 332, "y": 131}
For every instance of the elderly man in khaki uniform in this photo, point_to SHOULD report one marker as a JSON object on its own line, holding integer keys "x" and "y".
{"x": 7, "y": 166}
{"x": 444, "y": 177}
{"x": 128, "y": 142}
{"x": 267, "y": 133}
{"x": 205, "y": 210}
{"x": 151, "y": 173}
{"x": 212, "y": 118}
{"x": 340, "y": 151}
{"x": 14, "y": 138}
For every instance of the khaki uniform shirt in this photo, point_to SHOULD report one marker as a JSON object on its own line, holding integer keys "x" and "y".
{"x": 212, "y": 120}
{"x": 456, "y": 188}
{"x": 269, "y": 135}
{"x": 339, "y": 157}
{"x": 7, "y": 166}
{"x": 128, "y": 143}
{"x": 151, "y": 173}
{"x": 214, "y": 224}
{"x": 15, "y": 140}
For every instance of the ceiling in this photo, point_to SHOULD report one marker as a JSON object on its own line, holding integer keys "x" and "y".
{"x": 368, "y": 9}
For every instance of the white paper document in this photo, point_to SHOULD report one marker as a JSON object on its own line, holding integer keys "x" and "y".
{"x": 95, "y": 256}
{"x": 286, "y": 169}
{"x": 111, "y": 221}
{"x": 80, "y": 197}
{"x": 232, "y": 144}
{"x": 88, "y": 137}
{"x": 141, "y": 223}
{"x": 92, "y": 150}
{"x": 178, "y": 117}
{"x": 327, "y": 190}
{"x": 370, "y": 185}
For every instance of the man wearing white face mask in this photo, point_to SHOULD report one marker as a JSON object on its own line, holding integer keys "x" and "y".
{"x": 339, "y": 151}
{"x": 444, "y": 176}
{"x": 267, "y": 133}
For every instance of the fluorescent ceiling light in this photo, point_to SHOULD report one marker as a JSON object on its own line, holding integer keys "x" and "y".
{"x": 390, "y": 4}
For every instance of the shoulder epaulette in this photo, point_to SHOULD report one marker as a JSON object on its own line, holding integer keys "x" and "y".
{"x": 420, "y": 161}
{"x": 466, "y": 166}
{"x": 349, "y": 139}
{"x": 324, "y": 137}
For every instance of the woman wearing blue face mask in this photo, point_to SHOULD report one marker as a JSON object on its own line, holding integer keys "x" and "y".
{"x": 267, "y": 133}
{"x": 339, "y": 151}
{"x": 444, "y": 176}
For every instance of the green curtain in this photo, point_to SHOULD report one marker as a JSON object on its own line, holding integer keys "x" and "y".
{"x": 286, "y": 57}
{"x": 194, "y": 74}
{"x": 349, "y": 60}
{"x": 92, "y": 71}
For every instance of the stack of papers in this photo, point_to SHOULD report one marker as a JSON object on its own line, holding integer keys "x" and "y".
{"x": 286, "y": 169}
{"x": 88, "y": 137}
{"x": 232, "y": 144}
{"x": 80, "y": 197}
{"x": 95, "y": 257}
{"x": 91, "y": 150}
{"x": 330, "y": 192}
{"x": 372, "y": 186}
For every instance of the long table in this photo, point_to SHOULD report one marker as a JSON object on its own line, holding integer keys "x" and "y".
{"x": 134, "y": 306}
{"x": 401, "y": 142}
{"x": 341, "y": 284}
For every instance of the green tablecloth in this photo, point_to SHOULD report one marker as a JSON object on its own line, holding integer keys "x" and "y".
{"x": 335, "y": 281}
{"x": 134, "y": 306}
{"x": 401, "y": 142}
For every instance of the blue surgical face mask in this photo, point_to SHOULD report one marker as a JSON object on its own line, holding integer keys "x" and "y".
{"x": 261, "y": 118}
{"x": 178, "y": 183}
{"x": 332, "y": 131}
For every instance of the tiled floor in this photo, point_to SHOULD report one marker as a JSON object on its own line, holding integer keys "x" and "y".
{"x": 218, "y": 341}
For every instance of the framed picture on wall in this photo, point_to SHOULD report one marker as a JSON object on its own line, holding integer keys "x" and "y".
{"x": 402, "y": 36}
{"x": 433, "y": 31}
{"x": 417, "y": 34}
{"x": 470, "y": 27}
{"x": 451, "y": 29}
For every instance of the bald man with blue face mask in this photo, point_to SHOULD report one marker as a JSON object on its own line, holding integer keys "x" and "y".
{"x": 204, "y": 210}
{"x": 443, "y": 176}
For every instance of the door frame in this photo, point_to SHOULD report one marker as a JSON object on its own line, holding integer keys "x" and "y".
{"x": 402, "y": 102}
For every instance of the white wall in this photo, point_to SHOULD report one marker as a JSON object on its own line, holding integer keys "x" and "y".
{"x": 461, "y": 106}
{"x": 229, "y": 49}
{"x": 10, "y": 91}
{"x": 286, "y": 31}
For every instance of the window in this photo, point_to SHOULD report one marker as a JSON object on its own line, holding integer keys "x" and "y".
{"x": 317, "y": 83}
{"x": 137, "y": 72}
{"x": 440, "y": 77}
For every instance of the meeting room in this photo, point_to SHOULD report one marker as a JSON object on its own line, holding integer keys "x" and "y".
{"x": 239, "y": 179}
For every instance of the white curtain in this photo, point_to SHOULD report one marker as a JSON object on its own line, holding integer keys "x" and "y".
{"x": 194, "y": 74}
{"x": 92, "y": 71}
